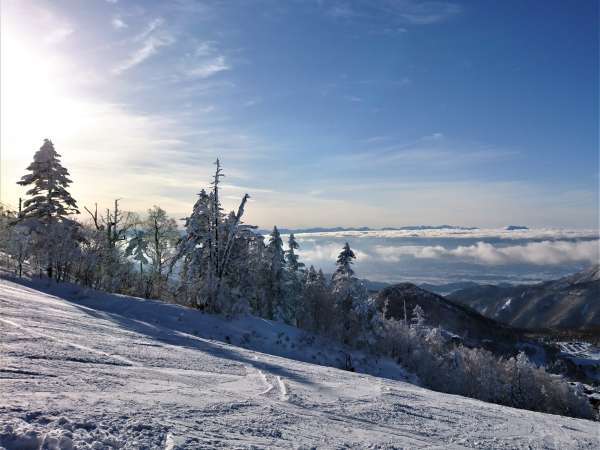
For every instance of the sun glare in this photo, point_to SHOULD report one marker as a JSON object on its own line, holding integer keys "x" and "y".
{"x": 35, "y": 101}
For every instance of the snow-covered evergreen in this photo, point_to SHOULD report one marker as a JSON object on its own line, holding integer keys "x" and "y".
{"x": 292, "y": 303}
{"x": 47, "y": 209}
{"x": 344, "y": 263}
{"x": 418, "y": 317}
{"x": 49, "y": 201}
{"x": 349, "y": 294}
{"x": 215, "y": 254}
{"x": 275, "y": 277}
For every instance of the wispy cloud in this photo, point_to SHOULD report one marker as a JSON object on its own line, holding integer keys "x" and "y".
{"x": 342, "y": 10}
{"x": 354, "y": 98}
{"x": 434, "y": 150}
{"x": 150, "y": 40}
{"x": 410, "y": 12}
{"x": 205, "y": 48}
{"x": 252, "y": 102}
{"x": 425, "y": 13}
{"x": 208, "y": 68}
{"x": 118, "y": 23}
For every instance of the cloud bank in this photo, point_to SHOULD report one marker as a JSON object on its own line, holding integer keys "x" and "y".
{"x": 458, "y": 233}
{"x": 538, "y": 253}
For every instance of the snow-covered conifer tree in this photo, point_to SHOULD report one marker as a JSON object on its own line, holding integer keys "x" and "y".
{"x": 317, "y": 306}
{"x": 349, "y": 294}
{"x": 344, "y": 263}
{"x": 46, "y": 211}
{"x": 292, "y": 302}
{"x": 216, "y": 251}
{"x": 292, "y": 260}
{"x": 418, "y": 317}
{"x": 275, "y": 276}
{"x": 194, "y": 250}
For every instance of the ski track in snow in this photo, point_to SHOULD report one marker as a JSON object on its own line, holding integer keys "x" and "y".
{"x": 105, "y": 371}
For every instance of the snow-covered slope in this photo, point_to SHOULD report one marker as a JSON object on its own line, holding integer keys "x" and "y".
{"x": 102, "y": 371}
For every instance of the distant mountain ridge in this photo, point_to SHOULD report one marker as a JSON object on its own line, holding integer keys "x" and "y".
{"x": 571, "y": 302}
{"x": 342, "y": 229}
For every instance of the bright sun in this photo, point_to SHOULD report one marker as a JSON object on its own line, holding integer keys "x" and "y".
{"x": 35, "y": 101}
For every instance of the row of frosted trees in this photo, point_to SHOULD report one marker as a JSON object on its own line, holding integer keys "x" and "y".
{"x": 217, "y": 263}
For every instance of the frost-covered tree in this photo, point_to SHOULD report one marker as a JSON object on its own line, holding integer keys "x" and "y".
{"x": 349, "y": 296}
{"x": 137, "y": 249}
{"x": 161, "y": 235}
{"x": 418, "y": 317}
{"x": 18, "y": 245}
{"x": 237, "y": 281}
{"x": 344, "y": 263}
{"x": 292, "y": 301}
{"x": 194, "y": 252}
{"x": 215, "y": 254}
{"x": 316, "y": 304}
{"x": 50, "y": 200}
{"x": 274, "y": 277}
{"x": 292, "y": 259}
{"x": 14, "y": 239}
{"x": 255, "y": 272}
{"x": 46, "y": 212}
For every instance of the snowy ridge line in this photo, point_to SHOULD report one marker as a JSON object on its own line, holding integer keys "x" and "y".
{"x": 126, "y": 361}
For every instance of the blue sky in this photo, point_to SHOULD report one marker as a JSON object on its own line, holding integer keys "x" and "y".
{"x": 378, "y": 113}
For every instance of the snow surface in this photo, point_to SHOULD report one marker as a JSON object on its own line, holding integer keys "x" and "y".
{"x": 90, "y": 370}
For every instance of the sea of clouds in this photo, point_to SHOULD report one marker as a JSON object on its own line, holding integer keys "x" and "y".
{"x": 448, "y": 255}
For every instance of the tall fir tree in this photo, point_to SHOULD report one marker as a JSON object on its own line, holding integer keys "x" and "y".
{"x": 292, "y": 259}
{"x": 46, "y": 212}
{"x": 50, "y": 200}
{"x": 344, "y": 263}
{"x": 349, "y": 296}
{"x": 275, "y": 276}
{"x": 292, "y": 304}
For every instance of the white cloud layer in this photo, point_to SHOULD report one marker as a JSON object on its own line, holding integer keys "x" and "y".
{"x": 538, "y": 253}
{"x": 457, "y": 233}
{"x": 328, "y": 253}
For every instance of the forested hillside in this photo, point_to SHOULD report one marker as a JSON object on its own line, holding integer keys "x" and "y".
{"x": 217, "y": 264}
